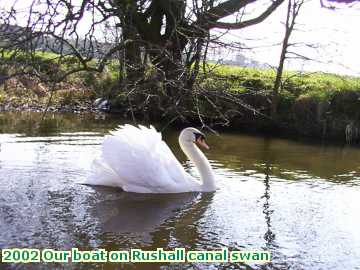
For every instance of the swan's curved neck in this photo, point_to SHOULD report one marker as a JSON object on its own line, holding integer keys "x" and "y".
{"x": 201, "y": 163}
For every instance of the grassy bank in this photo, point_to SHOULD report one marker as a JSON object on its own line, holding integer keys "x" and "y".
{"x": 311, "y": 104}
{"x": 318, "y": 85}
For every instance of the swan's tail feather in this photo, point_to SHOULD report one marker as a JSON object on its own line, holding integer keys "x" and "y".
{"x": 103, "y": 175}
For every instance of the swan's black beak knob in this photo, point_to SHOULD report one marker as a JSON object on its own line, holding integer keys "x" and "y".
{"x": 200, "y": 140}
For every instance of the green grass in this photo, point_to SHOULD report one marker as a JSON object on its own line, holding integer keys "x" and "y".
{"x": 321, "y": 86}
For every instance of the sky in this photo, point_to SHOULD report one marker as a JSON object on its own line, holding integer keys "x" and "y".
{"x": 336, "y": 33}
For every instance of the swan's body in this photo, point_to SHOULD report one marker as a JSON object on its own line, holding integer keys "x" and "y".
{"x": 138, "y": 160}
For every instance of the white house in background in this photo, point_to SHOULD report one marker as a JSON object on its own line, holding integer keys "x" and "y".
{"x": 229, "y": 57}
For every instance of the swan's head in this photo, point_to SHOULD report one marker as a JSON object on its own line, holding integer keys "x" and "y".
{"x": 193, "y": 135}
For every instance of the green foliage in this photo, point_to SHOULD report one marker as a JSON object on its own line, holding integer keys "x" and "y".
{"x": 2, "y": 96}
{"x": 103, "y": 84}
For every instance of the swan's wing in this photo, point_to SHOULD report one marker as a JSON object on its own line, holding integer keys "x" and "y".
{"x": 143, "y": 161}
{"x": 102, "y": 174}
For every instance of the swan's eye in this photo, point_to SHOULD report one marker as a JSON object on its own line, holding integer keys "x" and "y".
{"x": 199, "y": 136}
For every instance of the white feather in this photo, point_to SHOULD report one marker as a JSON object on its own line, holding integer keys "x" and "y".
{"x": 138, "y": 160}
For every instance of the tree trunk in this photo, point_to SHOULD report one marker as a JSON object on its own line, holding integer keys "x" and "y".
{"x": 277, "y": 83}
{"x": 289, "y": 25}
{"x": 133, "y": 65}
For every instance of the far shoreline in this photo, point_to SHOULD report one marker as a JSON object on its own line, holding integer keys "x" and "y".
{"x": 112, "y": 119}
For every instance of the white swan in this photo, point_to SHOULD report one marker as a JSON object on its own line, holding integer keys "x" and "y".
{"x": 138, "y": 160}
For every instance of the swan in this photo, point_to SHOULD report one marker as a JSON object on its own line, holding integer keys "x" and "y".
{"x": 136, "y": 159}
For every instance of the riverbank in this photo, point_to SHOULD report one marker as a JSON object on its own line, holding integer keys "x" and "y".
{"x": 28, "y": 94}
{"x": 313, "y": 105}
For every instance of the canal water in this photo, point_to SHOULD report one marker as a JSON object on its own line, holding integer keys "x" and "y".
{"x": 298, "y": 200}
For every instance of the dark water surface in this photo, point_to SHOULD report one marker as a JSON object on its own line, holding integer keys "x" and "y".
{"x": 299, "y": 201}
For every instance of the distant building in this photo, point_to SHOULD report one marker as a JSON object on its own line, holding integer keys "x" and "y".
{"x": 240, "y": 60}
{"x": 227, "y": 56}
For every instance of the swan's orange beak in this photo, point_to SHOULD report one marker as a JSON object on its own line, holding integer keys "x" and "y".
{"x": 201, "y": 142}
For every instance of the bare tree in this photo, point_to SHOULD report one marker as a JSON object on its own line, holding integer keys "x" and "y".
{"x": 293, "y": 10}
{"x": 170, "y": 36}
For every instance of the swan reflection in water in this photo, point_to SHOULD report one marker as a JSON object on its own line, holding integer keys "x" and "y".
{"x": 125, "y": 212}
{"x": 157, "y": 220}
